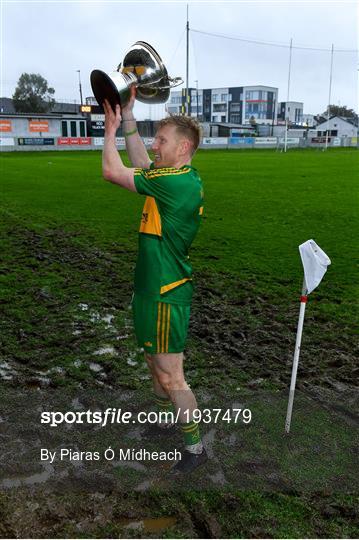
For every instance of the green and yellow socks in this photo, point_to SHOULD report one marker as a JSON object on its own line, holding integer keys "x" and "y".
{"x": 190, "y": 430}
{"x": 164, "y": 405}
{"x": 192, "y": 438}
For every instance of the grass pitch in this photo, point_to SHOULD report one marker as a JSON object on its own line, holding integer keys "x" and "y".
{"x": 259, "y": 206}
{"x": 68, "y": 255}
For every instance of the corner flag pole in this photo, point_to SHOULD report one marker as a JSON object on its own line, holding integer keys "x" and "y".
{"x": 315, "y": 263}
{"x": 303, "y": 301}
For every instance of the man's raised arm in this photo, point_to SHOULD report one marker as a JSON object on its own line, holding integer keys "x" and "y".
{"x": 113, "y": 168}
{"x": 136, "y": 150}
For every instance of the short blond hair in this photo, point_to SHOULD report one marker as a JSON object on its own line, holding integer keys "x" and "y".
{"x": 186, "y": 126}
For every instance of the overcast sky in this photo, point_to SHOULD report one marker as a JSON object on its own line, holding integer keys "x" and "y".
{"x": 57, "y": 38}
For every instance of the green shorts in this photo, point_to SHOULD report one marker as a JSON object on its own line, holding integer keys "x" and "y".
{"x": 160, "y": 327}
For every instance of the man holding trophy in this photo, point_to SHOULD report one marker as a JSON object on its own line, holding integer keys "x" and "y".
{"x": 170, "y": 221}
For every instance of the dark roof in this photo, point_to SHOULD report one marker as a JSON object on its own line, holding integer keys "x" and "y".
{"x": 41, "y": 115}
{"x": 7, "y": 107}
{"x": 242, "y": 126}
{"x": 352, "y": 121}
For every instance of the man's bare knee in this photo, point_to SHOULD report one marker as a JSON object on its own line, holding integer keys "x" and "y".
{"x": 170, "y": 382}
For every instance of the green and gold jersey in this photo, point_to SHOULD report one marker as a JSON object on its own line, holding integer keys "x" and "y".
{"x": 170, "y": 220}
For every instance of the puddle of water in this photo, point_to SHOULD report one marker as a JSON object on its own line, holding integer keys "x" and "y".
{"x": 56, "y": 369}
{"x": 95, "y": 316}
{"x": 37, "y": 478}
{"x": 143, "y": 486}
{"x": 124, "y": 336}
{"x": 232, "y": 439}
{"x": 5, "y": 375}
{"x": 7, "y": 372}
{"x": 5, "y": 365}
{"x": 130, "y": 465}
{"x": 151, "y": 525}
{"x": 208, "y": 441}
{"x": 43, "y": 381}
{"x": 106, "y": 350}
{"x": 108, "y": 319}
{"x": 76, "y": 404}
{"x": 132, "y": 434}
{"x": 237, "y": 405}
{"x": 131, "y": 362}
{"x": 95, "y": 367}
{"x": 218, "y": 478}
{"x": 158, "y": 524}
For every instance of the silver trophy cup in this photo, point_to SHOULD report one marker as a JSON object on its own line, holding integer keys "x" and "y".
{"x": 143, "y": 68}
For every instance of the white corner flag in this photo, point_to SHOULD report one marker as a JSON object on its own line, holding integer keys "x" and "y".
{"x": 315, "y": 263}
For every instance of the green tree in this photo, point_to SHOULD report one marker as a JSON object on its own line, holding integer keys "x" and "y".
{"x": 337, "y": 110}
{"x": 33, "y": 94}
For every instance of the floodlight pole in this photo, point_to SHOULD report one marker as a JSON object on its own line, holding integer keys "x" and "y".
{"x": 303, "y": 301}
{"x": 187, "y": 65}
{"x": 286, "y": 116}
{"x": 330, "y": 96}
{"x": 78, "y": 71}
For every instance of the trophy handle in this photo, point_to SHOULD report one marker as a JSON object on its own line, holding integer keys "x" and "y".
{"x": 172, "y": 83}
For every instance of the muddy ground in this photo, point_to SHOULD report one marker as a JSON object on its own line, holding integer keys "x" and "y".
{"x": 68, "y": 345}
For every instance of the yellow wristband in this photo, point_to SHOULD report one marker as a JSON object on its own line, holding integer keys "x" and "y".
{"x": 128, "y": 133}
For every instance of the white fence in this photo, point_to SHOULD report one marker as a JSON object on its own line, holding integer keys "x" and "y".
{"x": 21, "y": 144}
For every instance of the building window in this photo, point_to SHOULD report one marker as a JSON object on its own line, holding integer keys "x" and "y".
{"x": 215, "y": 97}
{"x": 82, "y": 129}
{"x": 64, "y": 130}
{"x": 73, "y": 128}
{"x": 235, "y": 107}
{"x": 223, "y": 97}
{"x": 235, "y": 118}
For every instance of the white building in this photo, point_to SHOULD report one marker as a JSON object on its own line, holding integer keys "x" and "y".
{"x": 236, "y": 105}
{"x": 308, "y": 120}
{"x": 290, "y": 110}
{"x": 337, "y": 126}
